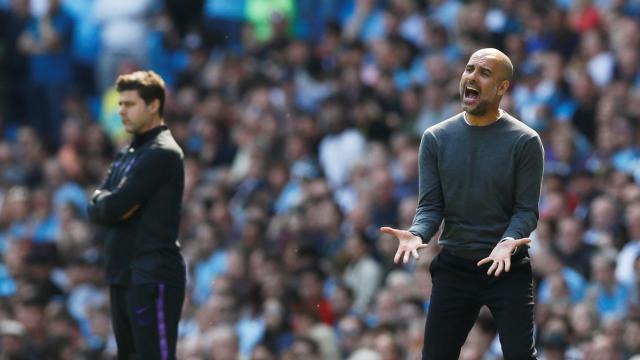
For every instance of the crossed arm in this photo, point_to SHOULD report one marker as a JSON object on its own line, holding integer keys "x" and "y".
{"x": 109, "y": 207}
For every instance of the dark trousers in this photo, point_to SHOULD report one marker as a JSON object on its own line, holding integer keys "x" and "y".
{"x": 145, "y": 320}
{"x": 460, "y": 289}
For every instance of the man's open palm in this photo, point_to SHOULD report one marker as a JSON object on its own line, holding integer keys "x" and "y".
{"x": 501, "y": 256}
{"x": 408, "y": 244}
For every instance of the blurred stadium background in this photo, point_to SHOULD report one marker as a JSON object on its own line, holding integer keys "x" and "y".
{"x": 300, "y": 121}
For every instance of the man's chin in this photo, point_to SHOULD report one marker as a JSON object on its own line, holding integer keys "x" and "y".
{"x": 474, "y": 110}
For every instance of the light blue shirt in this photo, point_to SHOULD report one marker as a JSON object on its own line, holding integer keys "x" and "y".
{"x": 204, "y": 274}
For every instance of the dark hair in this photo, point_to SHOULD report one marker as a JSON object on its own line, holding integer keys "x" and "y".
{"x": 148, "y": 84}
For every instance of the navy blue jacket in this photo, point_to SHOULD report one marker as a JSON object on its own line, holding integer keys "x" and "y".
{"x": 138, "y": 208}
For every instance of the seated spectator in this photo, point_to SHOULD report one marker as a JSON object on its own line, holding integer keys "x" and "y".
{"x": 631, "y": 250}
{"x": 609, "y": 296}
{"x": 571, "y": 247}
{"x": 548, "y": 264}
{"x": 363, "y": 274}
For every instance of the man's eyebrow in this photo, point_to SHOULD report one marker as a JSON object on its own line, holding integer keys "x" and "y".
{"x": 482, "y": 68}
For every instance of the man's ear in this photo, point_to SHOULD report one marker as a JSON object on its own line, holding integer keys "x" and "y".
{"x": 154, "y": 105}
{"x": 504, "y": 85}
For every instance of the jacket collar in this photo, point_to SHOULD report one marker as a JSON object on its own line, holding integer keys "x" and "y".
{"x": 141, "y": 139}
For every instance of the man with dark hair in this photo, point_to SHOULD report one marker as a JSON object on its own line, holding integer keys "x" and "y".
{"x": 138, "y": 206}
{"x": 480, "y": 172}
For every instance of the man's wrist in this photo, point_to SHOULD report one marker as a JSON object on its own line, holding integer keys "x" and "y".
{"x": 506, "y": 238}
{"x": 416, "y": 234}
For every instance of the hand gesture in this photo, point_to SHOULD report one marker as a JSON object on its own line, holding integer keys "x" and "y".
{"x": 409, "y": 244}
{"x": 501, "y": 256}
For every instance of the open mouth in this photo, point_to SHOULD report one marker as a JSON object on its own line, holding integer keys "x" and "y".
{"x": 471, "y": 93}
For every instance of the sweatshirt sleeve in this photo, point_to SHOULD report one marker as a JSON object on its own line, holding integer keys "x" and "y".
{"x": 152, "y": 170}
{"x": 430, "y": 200}
{"x": 530, "y": 163}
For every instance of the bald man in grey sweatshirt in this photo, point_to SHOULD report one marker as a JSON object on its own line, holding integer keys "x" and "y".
{"x": 480, "y": 172}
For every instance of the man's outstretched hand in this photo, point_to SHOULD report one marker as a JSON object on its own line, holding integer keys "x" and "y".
{"x": 501, "y": 256}
{"x": 408, "y": 244}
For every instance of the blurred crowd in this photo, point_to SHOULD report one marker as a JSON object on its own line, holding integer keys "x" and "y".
{"x": 301, "y": 121}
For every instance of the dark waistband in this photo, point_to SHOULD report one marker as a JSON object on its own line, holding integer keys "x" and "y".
{"x": 467, "y": 254}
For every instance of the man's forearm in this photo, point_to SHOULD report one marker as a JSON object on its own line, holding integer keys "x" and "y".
{"x": 521, "y": 225}
{"x": 426, "y": 224}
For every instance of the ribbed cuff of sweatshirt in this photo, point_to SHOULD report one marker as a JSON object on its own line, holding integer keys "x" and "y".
{"x": 515, "y": 249}
{"x": 421, "y": 234}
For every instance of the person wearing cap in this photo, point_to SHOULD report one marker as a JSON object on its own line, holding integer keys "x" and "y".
{"x": 138, "y": 206}
{"x": 480, "y": 176}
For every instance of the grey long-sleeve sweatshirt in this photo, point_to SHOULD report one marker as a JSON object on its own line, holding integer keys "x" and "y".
{"x": 484, "y": 181}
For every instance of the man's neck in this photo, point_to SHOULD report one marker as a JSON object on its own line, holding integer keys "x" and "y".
{"x": 154, "y": 124}
{"x": 487, "y": 118}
